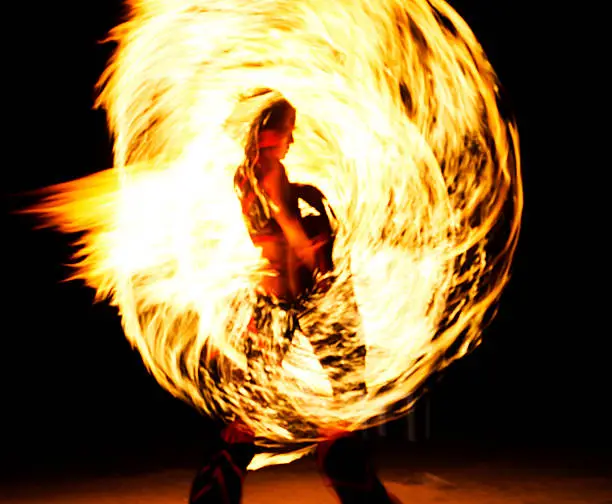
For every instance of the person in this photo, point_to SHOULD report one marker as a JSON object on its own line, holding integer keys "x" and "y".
{"x": 298, "y": 252}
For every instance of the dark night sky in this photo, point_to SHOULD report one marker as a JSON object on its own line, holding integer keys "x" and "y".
{"x": 70, "y": 382}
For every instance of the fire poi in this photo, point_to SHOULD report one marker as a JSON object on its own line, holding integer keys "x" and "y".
{"x": 398, "y": 124}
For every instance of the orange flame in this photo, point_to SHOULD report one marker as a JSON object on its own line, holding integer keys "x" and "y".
{"x": 398, "y": 123}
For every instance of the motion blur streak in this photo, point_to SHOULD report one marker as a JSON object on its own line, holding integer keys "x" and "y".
{"x": 398, "y": 124}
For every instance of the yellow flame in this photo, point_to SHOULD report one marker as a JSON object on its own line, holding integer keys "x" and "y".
{"x": 398, "y": 124}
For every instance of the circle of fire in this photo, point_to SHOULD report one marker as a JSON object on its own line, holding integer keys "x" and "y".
{"x": 398, "y": 124}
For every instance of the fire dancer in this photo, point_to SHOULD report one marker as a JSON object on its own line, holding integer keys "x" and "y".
{"x": 298, "y": 250}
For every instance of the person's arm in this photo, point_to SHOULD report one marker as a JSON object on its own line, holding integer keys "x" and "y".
{"x": 290, "y": 224}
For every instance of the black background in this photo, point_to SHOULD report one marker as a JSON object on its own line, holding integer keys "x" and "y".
{"x": 73, "y": 391}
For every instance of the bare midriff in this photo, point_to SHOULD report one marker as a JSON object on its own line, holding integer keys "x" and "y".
{"x": 281, "y": 278}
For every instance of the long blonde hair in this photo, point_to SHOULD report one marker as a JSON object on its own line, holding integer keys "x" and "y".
{"x": 272, "y": 117}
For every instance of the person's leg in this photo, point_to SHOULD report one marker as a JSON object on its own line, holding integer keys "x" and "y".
{"x": 346, "y": 467}
{"x": 343, "y": 459}
{"x": 221, "y": 478}
{"x": 268, "y": 337}
{"x": 338, "y": 343}
{"x": 343, "y": 358}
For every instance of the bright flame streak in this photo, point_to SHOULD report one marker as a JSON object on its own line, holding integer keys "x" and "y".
{"x": 398, "y": 125}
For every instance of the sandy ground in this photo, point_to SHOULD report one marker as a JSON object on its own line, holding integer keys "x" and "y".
{"x": 299, "y": 483}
